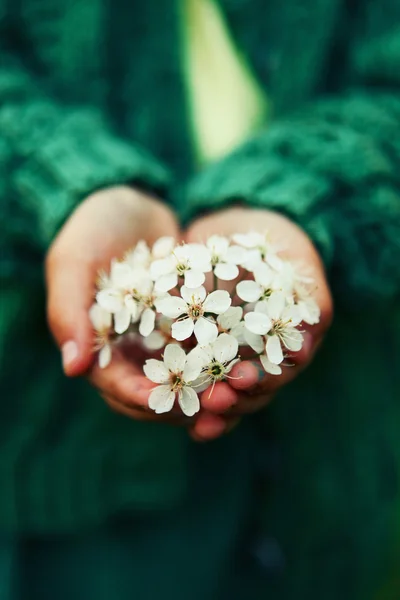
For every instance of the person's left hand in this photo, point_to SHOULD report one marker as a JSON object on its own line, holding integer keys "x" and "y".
{"x": 252, "y": 389}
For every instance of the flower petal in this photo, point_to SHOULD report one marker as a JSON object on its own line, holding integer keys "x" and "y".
{"x": 292, "y": 313}
{"x": 156, "y": 371}
{"x": 257, "y": 322}
{"x": 276, "y": 304}
{"x": 218, "y": 244}
{"x": 256, "y": 342}
{"x": 161, "y": 267}
{"x": 197, "y": 359}
{"x": 189, "y": 401}
{"x": 172, "y": 306}
{"x": 231, "y": 317}
{"x": 154, "y": 341}
{"x": 274, "y": 349}
{"x": 100, "y": 318}
{"x": 217, "y": 302}
{"x": 193, "y": 295}
{"x": 194, "y": 278}
{"x": 161, "y": 399}
{"x": 274, "y": 261}
{"x": 147, "y": 322}
{"x": 166, "y": 282}
{"x": 174, "y": 358}
{"x": 121, "y": 275}
{"x": 253, "y": 260}
{"x": 309, "y": 311}
{"x": 249, "y": 291}
{"x": 122, "y": 320}
{"x": 238, "y": 332}
{"x": 105, "y": 356}
{"x": 201, "y": 384}
{"x": 292, "y": 339}
{"x": 269, "y": 367}
{"x": 263, "y": 275}
{"x": 249, "y": 240}
{"x": 226, "y": 271}
{"x": 133, "y": 308}
{"x": 235, "y": 255}
{"x": 163, "y": 247}
{"x": 139, "y": 255}
{"x": 262, "y": 307}
{"x": 225, "y": 347}
{"x": 110, "y": 299}
{"x": 182, "y": 330}
{"x": 205, "y": 331}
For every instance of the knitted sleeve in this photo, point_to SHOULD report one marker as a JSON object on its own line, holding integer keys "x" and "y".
{"x": 51, "y": 156}
{"x": 334, "y": 169}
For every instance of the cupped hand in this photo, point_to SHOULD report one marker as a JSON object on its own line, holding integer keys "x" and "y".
{"x": 250, "y": 388}
{"x": 104, "y": 226}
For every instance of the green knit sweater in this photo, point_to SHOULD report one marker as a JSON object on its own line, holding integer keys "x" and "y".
{"x": 92, "y": 94}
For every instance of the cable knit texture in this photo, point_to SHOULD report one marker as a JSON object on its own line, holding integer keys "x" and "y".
{"x": 84, "y": 86}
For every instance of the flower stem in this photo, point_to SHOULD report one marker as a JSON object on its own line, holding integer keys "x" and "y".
{"x": 215, "y": 281}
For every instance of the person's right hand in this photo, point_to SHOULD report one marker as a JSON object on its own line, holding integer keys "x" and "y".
{"x": 104, "y": 226}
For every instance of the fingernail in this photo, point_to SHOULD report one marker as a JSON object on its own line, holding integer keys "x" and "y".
{"x": 69, "y": 353}
{"x": 260, "y": 371}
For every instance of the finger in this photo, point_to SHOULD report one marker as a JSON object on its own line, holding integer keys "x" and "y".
{"x": 124, "y": 381}
{"x": 70, "y": 294}
{"x": 249, "y": 376}
{"x": 246, "y": 375}
{"x": 209, "y": 427}
{"x": 218, "y": 398}
{"x": 249, "y": 404}
{"x": 140, "y": 415}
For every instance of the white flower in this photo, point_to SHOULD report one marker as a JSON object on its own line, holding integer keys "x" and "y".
{"x": 224, "y": 257}
{"x": 129, "y": 296}
{"x": 290, "y": 275}
{"x": 259, "y": 248}
{"x": 139, "y": 256}
{"x": 277, "y": 320}
{"x": 231, "y": 322}
{"x": 308, "y": 308}
{"x": 261, "y": 288}
{"x": 190, "y": 261}
{"x": 142, "y": 256}
{"x": 190, "y": 310}
{"x": 270, "y": 367}
{"x": 175, "y": 373}
{"x": 160, "y": 337}
{"x": 102, "y": 320}
{"x": 163, "y": 247}
{"x": 216, "y": 359}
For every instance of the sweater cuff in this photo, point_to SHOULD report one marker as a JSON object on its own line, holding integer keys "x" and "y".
{"x": 80, "y": 156}
{"x": 254, "y": 180}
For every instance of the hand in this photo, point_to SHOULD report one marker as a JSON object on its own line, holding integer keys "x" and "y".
{"x": 253, "y": 389}
{"x": 103, "y": 226}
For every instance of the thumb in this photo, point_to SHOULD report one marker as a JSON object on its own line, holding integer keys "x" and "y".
{"x": 70, "y": 295}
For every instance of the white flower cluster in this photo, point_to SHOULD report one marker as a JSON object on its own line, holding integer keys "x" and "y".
{"x": 170, "y": 297}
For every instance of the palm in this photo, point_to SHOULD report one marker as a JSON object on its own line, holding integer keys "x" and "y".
{"x": 298, "y": 248}
{"x": 104, "y": 226}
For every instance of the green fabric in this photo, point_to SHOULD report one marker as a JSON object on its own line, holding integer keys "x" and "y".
{"x": 83, "y": 86}
{"x": 333, "y": 169}
{"x": 144, "y": 555}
